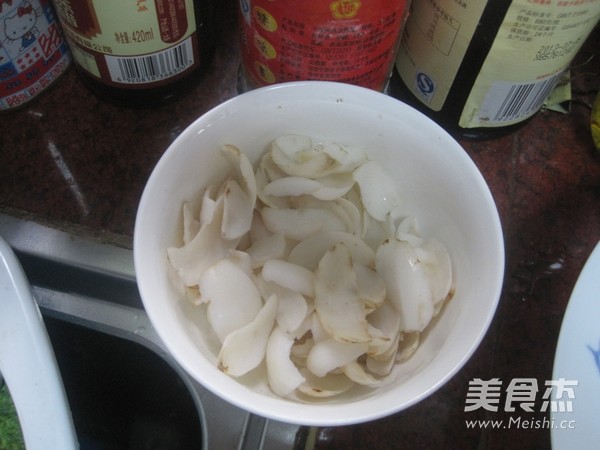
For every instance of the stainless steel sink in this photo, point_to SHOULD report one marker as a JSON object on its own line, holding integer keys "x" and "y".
{"x": 124, "y": 389}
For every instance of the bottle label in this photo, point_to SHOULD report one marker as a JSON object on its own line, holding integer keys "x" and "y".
{"x": 435, "y": 40}
{"x": 131, "y": 44}
{"x": 350, "y": 41}
{"x": 534, "y": 46}
{"x": 33, "y": 51}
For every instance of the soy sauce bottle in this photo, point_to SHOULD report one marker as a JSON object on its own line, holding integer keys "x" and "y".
{"x": 483, "y": 68}
{"x": 139, "y": 53}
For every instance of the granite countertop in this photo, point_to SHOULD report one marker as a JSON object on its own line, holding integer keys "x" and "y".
{"x": 73, "y": 161}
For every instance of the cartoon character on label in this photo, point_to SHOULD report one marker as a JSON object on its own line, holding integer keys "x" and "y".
{"x": 22, "y": 25}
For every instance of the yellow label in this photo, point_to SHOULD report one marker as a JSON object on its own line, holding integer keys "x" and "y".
{"x": 127, "y": 27}
{"x": 265, "y": 19}
{"x": 436, "y": 38}
{"x": 131, "y": 42}
{"x": 86, "y": 60}
{"x": 344, "y": 9}
{"x": 535, "y": 44}
{"x": 595, "y": 122}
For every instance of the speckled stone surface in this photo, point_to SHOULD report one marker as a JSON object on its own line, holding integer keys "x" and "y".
{"x": 74, "y": 161}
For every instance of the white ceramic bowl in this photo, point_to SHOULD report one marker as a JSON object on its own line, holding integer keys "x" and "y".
{"x": 437, "y": 181}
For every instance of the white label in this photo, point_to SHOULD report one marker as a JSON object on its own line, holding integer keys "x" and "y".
{"x": 149, "y": 68}
{"x": 506, "y": 102}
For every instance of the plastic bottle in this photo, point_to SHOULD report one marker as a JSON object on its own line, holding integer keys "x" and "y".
{"x": 349, "y": 41}
{"x": 139, "y": 53}
{"x": 482, "y": 67}
{"x": 33, "y": 51}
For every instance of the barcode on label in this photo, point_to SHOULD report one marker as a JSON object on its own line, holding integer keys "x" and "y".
{"x": 149, "y": 68}
{"x": 508, "y": 101}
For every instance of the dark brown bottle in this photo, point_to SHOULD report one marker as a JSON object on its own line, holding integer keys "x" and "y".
{"x": 482, "y": 68}
{"x": 142, "y": 53}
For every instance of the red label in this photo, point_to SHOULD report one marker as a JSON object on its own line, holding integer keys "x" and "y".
{"x": 172, "y": 19}
{"x": 51, "y": 41}
{"x": 80, "y": 15}
{"x": 350, "y": 41}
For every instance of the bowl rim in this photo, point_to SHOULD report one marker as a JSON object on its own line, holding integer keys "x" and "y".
{"x": 335, "y": 414}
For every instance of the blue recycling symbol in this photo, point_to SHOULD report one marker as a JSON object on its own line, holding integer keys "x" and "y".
{"x": 425, "y": 84}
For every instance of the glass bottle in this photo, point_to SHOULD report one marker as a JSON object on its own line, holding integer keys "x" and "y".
{"x": 481, "y": 68}
{"x": 139, "y": 53}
